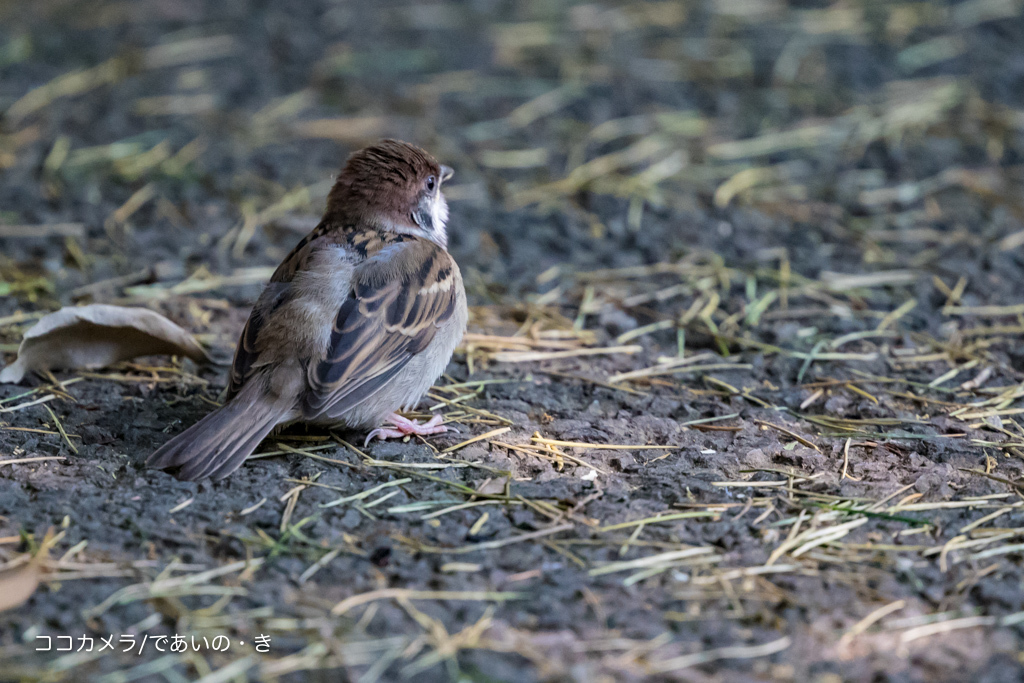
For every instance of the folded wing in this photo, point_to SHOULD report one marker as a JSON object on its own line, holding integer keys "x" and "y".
{"x": 276, "y": 293}
{"x": 401, "y": 295}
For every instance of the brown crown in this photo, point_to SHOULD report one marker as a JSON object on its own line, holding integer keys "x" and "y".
{"x": 383, "y": 180}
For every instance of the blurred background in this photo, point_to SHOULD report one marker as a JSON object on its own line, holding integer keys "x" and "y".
{"x": 171, "y": 139}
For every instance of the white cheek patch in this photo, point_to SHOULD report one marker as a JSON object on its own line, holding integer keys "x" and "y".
{"x": 439, "y": 218}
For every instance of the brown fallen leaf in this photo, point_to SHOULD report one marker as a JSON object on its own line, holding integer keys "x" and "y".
{"x": 98, "y": 335}
{"x": 17, "y": 585}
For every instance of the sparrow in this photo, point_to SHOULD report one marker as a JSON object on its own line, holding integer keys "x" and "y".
{"x": 356, "y": 323}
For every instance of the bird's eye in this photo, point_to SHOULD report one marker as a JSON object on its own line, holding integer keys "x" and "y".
{"x": 431, "y": 183}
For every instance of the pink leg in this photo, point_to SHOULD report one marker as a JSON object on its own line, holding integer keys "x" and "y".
{"x": 404, "y": 427}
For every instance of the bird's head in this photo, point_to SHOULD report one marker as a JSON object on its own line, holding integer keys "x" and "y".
{"x": 394, "y": 186}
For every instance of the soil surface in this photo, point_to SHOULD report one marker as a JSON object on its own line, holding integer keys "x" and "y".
{"x": 799, "y": 225}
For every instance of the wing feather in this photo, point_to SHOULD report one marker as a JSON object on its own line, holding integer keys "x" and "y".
{"x": 274, "y": 294}
{"x": 402, "y": 291}
{"x": 393, "y": 313}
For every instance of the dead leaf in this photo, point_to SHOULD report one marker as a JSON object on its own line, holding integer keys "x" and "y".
{"x": 98, "y": 335}
{"x": 17, "y": 585}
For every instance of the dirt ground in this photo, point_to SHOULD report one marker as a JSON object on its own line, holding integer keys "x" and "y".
{"x": 747, "y": 297}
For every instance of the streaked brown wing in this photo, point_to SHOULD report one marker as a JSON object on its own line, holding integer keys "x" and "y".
{"x": 400, "y": 297}
{"x": 276, "y": 293}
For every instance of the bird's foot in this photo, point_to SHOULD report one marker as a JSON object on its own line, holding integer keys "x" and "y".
{"x": 406, "y": 427}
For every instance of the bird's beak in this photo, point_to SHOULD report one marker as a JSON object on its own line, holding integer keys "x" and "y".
{"x": 446, "y": 172}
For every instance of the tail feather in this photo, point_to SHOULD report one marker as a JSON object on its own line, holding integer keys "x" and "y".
{"x": 219, "y": 443}
{"x": 231, "y": 457}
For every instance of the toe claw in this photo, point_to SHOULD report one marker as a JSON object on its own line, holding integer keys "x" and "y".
{"x": 383, "y": 434}
{"x": 406, "y": 427}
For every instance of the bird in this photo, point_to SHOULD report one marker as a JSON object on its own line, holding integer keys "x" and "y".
{"x": 356, "y": 323}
